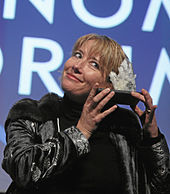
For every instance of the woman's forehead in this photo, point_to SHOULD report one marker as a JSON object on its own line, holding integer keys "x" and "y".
{"x": 92, "y": 47}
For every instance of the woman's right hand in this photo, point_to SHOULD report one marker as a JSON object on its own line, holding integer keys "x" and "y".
{"x": 91, "y": 113}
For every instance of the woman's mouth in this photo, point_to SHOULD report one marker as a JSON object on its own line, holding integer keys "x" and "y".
{"x": 72, "y": 77}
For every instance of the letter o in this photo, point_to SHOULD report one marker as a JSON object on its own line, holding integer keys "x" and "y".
{"x": 1, "y": 60}
{"x": 102, "y": 22}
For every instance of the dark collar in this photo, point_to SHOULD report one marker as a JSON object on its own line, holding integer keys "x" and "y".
{"x": 47, "y": 108}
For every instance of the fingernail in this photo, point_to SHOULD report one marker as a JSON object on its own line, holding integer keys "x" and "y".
{"x": 107, "y": 89}
{"x": 112, "y": 92}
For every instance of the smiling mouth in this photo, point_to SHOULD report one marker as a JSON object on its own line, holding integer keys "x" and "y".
{"x": 72, "y": 77}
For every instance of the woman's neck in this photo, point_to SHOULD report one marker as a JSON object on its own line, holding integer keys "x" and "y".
{"x": 70, "y": 108}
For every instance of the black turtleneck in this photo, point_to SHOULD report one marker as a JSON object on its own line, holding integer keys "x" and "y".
{"x": 70, "y": 112}
{"x": 98, "y": 171}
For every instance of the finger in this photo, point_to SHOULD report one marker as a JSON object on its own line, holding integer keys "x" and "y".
{"x": 150, "y": 117}
{"x": 150, "y": 113}
{"x": 137, "y": 110}
{"x": 101, "y": 95}
{"x": 102, "y": 115}
{"x": 145, "y": 97}
{"x": 104, "y": 100}
{"x": 148, "y": 99}
{"x": 139, "y": 96}
{"x": 92, "y": 93}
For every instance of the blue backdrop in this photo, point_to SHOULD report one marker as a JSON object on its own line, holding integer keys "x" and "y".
{"x": 36, "y": 38}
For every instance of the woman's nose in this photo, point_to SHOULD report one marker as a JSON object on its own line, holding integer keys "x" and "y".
{"x": 78, "y": 66}
{"x": 75, "y": 69}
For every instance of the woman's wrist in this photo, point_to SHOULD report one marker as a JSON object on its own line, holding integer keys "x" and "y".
{"x": 85, "y": 132}
{"x": 150, "y": 140}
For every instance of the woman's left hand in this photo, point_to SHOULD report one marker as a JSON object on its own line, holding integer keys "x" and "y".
{"x": 147, "y": 117}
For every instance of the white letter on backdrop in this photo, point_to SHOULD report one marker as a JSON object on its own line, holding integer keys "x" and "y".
{"x": 102, "y": 22}
{"x": 162, "y": 70}
{"x": 152, "y": 13}
{"x": 9, "y": 9}
{"x": 43, "y": 69}
{"x": 1, "y": 60}
{"x": 46, "y": 8}
{"x": 128, "y": 51}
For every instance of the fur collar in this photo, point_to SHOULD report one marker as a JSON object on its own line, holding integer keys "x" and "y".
{"x": 122, "y": 121}
{"x": 47, "y": 108}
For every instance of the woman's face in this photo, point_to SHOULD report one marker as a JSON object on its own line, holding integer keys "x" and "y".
{"x": 81, "y": 72}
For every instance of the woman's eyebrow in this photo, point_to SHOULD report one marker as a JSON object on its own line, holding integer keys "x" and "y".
{"x": 92, "y": 57}
{"x": 95, "y": 59}
{"x": 80, "y": 50}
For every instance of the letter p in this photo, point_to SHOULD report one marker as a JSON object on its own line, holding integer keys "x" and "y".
{"x": 43, "y": 69}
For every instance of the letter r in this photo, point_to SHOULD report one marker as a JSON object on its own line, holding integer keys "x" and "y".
{"x": 43, "y": 69}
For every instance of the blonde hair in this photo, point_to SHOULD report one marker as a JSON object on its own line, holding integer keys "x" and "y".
{"x": 110, "y": 52}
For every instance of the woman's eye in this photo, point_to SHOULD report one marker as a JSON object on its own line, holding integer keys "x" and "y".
{"x": 78, "y": 55}
{"x": 96, "y": 65}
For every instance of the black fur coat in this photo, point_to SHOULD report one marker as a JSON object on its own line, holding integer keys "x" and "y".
{"x": 141, "y": 163}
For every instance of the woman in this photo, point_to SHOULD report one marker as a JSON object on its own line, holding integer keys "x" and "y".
{"x": 78, "y": 144}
